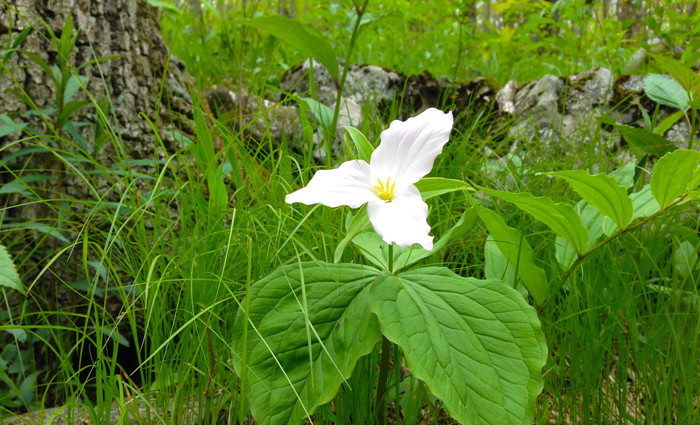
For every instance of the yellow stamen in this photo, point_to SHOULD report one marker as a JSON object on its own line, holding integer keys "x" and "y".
{"x": 386, "y": 193}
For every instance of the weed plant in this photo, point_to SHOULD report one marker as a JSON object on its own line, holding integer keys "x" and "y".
{"x": 180, "y": 259}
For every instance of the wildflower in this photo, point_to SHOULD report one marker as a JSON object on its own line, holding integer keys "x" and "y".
{"x": 387, "y": 184}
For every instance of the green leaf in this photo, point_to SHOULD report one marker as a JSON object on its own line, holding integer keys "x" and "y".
{"x": 376, "y": 250}
{"x": 667, "y": 123}
{"x": 359, "y": 224}
{"x": 601, "y": 191}
{"x": 561, "y": 218}
{"x": 21, "y": 185}
{"x": 643, "y": 141}
{"x": 691, "y": 235}
{"x": 666, "y": 91}
{"x": 672, "y": 174}
{"x": 644, "y": 203}
{"x": 518, "y": 252}
{"x": 686, "y": 259}
{"x": 68, "y": 110}
{"x": 430, "y": 187}
{"x": 293, "y": 32}
{"x": 39, "y": 227}
{"x": 28, "y": 387}
{"x": 364, "y": 147}
{"x": 66, "y": 37}
{"x": 496, "y": 266}
{"x": 164, "y": 5}
{"x": 7, "y": 126}
{"x": 8, "y": 273}
{"x": 687, "y": 78}
{"x": 321, "y": 112}
{"x": 476, "y": 344}
{"x": 16, "y": 44}
{"x": 395, "y": 19}
{"x": 74, "y": 83}
{"x": 277, "y": 351}
{"x": 42, "y": 64}
{"x": 625, "y": 175}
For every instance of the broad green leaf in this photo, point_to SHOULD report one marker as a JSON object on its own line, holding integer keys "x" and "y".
{"x": 476, "y": 344}
{"x": 686, "y": 259}
{"x": 564, "y": 252}
{"x": 322, "y": 113}
{"x": 518, "y": 252}
{"x": 360, "y": 223}
{"x": 292, "y": 32}
{"x": 430, "y": 187}
{"x": 643, "y": 141}
{"x": 685, "y": 76}
{"x": 561, "y": 218}
{"x": 601, "y": 191}
{"x": 644, "y": 203}
{"x": 343, "y": 330}
{"x": 666, "y": 91}
{"x": 8, "y": 273}
{"x": 28, "y": 387}
{"x": 672, "y": 174}
{"x": 625, "y": 175}
{"x": 496, "y": 266}
{"x": 364, "y": 147}
{"x": 376, "y": 250}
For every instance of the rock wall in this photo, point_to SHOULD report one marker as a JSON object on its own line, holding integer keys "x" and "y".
{"x": 558, "y": 113}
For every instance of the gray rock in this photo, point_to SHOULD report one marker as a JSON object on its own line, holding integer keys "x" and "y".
{"x": 260, "y": 119}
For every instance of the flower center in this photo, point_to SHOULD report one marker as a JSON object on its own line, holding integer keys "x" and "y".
{"x": 386, "y": 191}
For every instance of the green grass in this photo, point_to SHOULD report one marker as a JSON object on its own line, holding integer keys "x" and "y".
{"x": 180, "y": 264}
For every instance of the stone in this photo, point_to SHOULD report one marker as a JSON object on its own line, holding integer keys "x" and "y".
{"x": 259, "y": 119}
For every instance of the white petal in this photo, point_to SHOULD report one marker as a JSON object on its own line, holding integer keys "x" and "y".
{"x": 408, "y": 148}
{"x": 403, "y": 220}
{"x": 348, "y": 185}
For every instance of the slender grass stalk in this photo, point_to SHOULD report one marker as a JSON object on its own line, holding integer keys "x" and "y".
{"x": 330, "y": 134}
{"x": 383, "y": 377}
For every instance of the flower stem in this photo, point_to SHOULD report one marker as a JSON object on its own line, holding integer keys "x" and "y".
{"x": 383, "y": 376}
{"x": 391, "y": 258}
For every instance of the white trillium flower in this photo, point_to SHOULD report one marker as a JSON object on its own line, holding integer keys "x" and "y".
{"x": 387, "y": 184}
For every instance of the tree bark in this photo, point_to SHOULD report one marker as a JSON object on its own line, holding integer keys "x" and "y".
{"x": 126, "y": 30}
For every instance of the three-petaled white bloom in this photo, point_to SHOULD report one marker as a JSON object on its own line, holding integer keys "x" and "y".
{"x": 394, "y": 205}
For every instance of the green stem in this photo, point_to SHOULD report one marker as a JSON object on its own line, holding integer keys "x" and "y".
{"x": 690, "y": 130}
{"x": 391, "y": 258}
{"x": 330, "y": 134}
{"x": 383, "y": 376}
{"x": 601, "y": 244}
